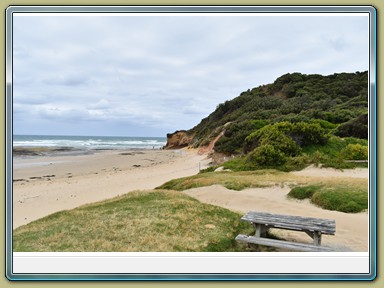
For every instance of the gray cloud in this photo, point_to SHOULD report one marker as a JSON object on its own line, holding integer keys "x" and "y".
{"x": 135, "y": 75}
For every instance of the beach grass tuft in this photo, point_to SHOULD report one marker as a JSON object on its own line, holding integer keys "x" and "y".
{"x": 346, "y": 198}
{"x": 348, "y": 195}
{"x": 140, "y": 221}
{"x": 231, "y": 180}
{"x": 303, "y": 192}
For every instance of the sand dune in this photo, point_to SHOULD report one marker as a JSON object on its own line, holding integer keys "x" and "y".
{"x": 351, "y": 229}
{"x": 44, "y": 185}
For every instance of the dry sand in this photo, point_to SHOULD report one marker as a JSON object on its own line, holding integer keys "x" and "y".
{"x": 44, "y": 185}
{"x": 351, "y": 229}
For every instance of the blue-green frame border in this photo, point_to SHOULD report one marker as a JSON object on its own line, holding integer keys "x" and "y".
{"x": 201, "y": 9}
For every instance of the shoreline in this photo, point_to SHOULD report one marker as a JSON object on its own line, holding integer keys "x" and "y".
{"x": 43, "y": 185}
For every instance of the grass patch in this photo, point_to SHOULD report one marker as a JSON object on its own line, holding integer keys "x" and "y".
{"x": 209, "y": 169}
{"x": 333, "y": 153}
{"x": 348, "y": 195}
{"x": 239, "y": 164}
{"x": 348, "y": 199}
{"x": 303, "y": 192}
{"x": 231, "y": 180}
{"x": 334, "y": 146}
{"x": 341, "y": 199}
{"x": 151, "y": 221}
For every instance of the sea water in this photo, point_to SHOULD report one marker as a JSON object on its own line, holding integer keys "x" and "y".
{"x": 89, "y": 142}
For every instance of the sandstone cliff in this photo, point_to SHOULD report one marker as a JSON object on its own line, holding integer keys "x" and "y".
{"x": 178, "y": 139}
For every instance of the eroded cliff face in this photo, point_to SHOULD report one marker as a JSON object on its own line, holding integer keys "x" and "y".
{"x": 178, "y": 139}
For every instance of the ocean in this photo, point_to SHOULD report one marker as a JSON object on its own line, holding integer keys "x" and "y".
{"x": 88, "y": 142}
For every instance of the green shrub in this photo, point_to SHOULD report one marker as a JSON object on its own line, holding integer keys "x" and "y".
{"x": 303, "y": 192}
{"x": 341, "y": 199}
{"x": 355, "y": 152}
{"x": 235, "y": 133}
{"x": 333, "y": 146}
{"x": 281, "y": 142}
{"x": 301, "y": 133}
{"x": 357, "y": 127}
{"x": 305, "y": 134}
{"x": 267, "y": 155}
{"x": 324, "y": 124}
{"x": 317, "y": 158}
{"x": 284, "y": 140}
{"x": 209, "y": 169}
{"x": 295, "y": 163}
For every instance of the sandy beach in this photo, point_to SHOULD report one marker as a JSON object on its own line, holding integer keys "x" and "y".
{"x": 44, "y": 185}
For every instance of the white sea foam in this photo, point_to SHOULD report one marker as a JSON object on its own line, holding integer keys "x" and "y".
{"x": 86, "y": 142}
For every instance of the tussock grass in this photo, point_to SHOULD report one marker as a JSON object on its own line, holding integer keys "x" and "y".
{"x": 151, "y": 221}
{"x": 303, "y": 192}
{"x": 342, "y": 194}
{"x": 230, "y": 180}
{"x": 347, "y": 198}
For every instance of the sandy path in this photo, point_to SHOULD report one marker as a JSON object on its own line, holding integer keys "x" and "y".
{"x": 351, "y": 229}
{"x": 66, "y": 182}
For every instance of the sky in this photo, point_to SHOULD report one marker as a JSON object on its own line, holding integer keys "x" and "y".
{"x": 136, "y": 75}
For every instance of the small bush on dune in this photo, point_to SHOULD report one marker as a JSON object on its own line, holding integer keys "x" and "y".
{"x": 355, "y": 152}
{"x": 343, "y": 199}
{"x": 276, "y": 143}
{"x": 303, "y": 192}
{"x": 267, "y": 155}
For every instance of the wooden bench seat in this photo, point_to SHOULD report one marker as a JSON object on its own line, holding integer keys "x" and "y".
{"x": 297, "y": 223}
{"x": 314, "y": 227}
{"x": 282, "y": 244}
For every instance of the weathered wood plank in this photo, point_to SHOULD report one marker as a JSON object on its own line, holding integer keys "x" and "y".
{"x": 325, "y": 226}
{"x": 282, "y": 244}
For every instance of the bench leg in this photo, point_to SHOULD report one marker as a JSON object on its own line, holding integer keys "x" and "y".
{"x": 317, "y": 238}
{"x": 261, "y": 230}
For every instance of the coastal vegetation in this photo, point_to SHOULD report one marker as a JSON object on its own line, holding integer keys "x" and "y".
{"x": 265, "y": 132}
{"x": 142, "y": 221}
{"x": 166, "y": 220}
{"x": 339, "y": 198}
{"x": 291, "y": 123}
{"x": 348, "y": 195}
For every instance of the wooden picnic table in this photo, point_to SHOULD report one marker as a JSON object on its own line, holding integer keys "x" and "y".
{"x": 314, "y": 227}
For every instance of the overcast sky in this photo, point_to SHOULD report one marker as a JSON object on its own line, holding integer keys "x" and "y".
{"x": 151, "y": 75}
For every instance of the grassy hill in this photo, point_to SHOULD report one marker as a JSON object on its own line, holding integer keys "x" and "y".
{"x": 296, "y": 120}
{"x": 336, "y": 99}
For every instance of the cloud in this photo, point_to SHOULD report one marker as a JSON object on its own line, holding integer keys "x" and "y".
{"x": 160, "y": 73}
{"x": 66, "y": 80}
{"x": 101, "y": 104}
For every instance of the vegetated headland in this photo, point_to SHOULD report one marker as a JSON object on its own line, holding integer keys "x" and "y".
{"x": 280, "y": 148}
{"x": 297, "y": 120}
